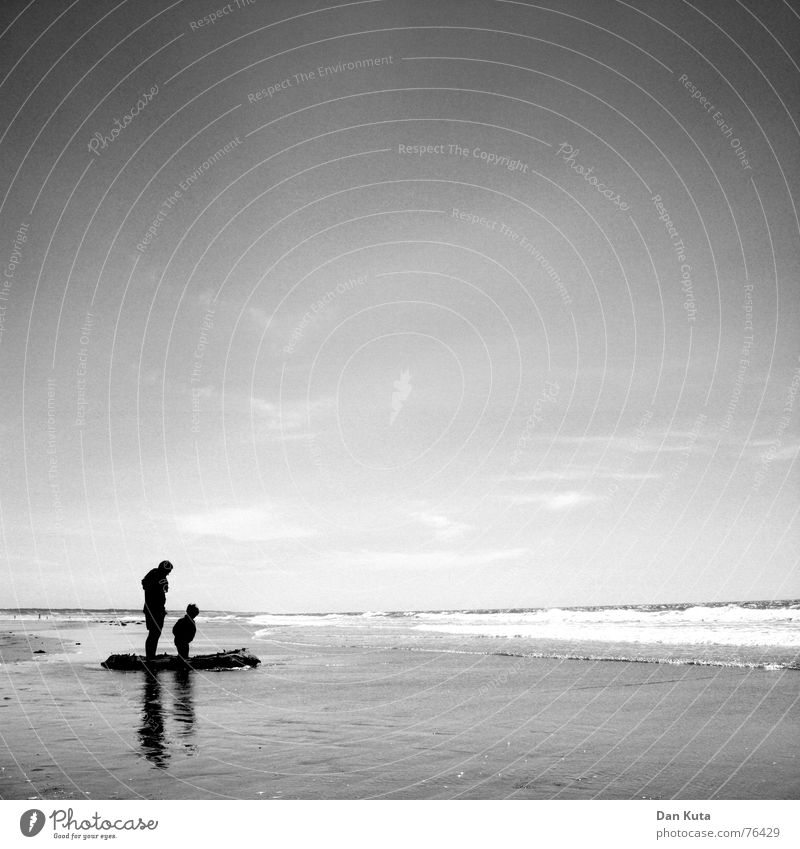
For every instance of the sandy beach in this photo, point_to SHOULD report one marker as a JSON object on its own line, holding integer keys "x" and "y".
{"x": 364, "y": 721}
{"x": 16, "y": 646}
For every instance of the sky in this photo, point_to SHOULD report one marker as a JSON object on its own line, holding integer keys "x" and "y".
{"x": 394, "y": 305}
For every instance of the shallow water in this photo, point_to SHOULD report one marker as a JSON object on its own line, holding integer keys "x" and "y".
{"x": 752, "y": 634}
{"x": 365, "y": 712}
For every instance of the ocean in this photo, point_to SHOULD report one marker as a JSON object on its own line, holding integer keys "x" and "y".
{"x": 753, "y": 634}
{"x": 414, "y": 704}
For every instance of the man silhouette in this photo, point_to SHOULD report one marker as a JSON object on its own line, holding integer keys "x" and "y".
{"x": 156, "y": 587}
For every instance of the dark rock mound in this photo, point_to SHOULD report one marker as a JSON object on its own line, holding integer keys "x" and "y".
{"x": 233, "y": 659}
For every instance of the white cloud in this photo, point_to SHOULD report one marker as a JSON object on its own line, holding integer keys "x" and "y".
{"x": 552, "y": 500}
{"x": 207, "y": 298}
{"x": 261, "y": 317}
{"x": 789, "y": 452}
{"x": 426, "y": 559}
{"x": 443, "y": 527}
{"x": 565, "y": 500}
{"x": 655, "y": 441}
{"x": 290, "y": 419}
{"x": 259, "y": 523}
{"x": 773, "y": 449}
{"x": 579, "y": 474}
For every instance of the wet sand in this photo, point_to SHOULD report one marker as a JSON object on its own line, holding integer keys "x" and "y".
{"x": 357, "y": 722}
{"x": 17, "y": 645}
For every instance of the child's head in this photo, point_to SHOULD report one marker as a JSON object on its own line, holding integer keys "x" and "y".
{"x": 192, "y": 610}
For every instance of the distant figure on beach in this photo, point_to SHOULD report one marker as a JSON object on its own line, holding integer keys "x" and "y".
{"x": 156, "y": 587}
{"x": 184, "y": 630}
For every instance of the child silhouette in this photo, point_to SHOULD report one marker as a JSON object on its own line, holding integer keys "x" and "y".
{"x": 184, "y": 630}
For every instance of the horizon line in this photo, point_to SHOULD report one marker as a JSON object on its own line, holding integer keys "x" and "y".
{"x": 416, "y": 610}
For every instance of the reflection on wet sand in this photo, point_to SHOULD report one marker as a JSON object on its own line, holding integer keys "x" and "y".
{"x": 151, "y": 732}
{"x": 183, "y": 709}
{"x": 153, "y": 739}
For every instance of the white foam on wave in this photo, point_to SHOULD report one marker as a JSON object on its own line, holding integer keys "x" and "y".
{"x": 221, "y": 617}
{"x": 730, "y": 613}
{"x": 627, "y": 658}
{"x": 701, "y": 625}
{"x": 729, "y": 625}
{"x": 297, "y": 620}
{"x": 658, "y": 635}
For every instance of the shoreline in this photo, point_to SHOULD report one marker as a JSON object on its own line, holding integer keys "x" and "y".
{"x": 25, "y": 640}
{"x": 377, "y": 721}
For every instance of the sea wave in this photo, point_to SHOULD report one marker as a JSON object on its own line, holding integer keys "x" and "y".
{"x": 750, "y": 624}
{"x": 669, "y": 660}
{"x": 732, "y": 625}
{"x": 296, "y": 619}
{"x": 658, "y": 634}
{"x": 722, "y": 614}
